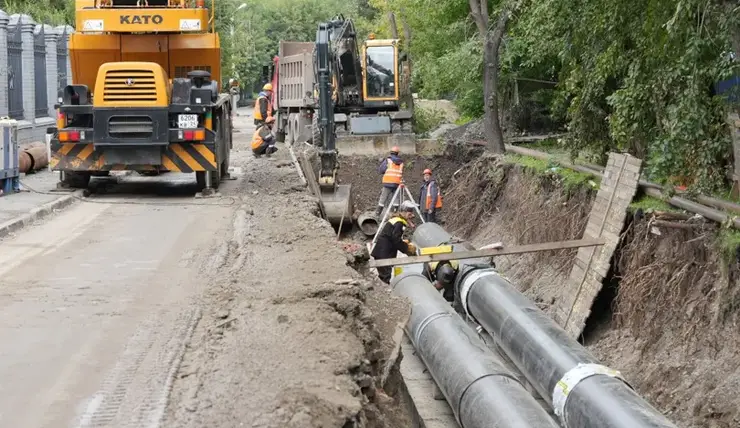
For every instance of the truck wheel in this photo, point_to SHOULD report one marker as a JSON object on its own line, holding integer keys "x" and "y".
{"x": 315, "y": 131}
{"x": 76, "y": 179}
{"x": 224, "y": 170}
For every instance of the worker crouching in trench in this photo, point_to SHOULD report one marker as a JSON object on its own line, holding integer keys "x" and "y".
{"x": 442, "y": 275}
{"x": 263, "y": 142}
{"x": 390, "y": 239}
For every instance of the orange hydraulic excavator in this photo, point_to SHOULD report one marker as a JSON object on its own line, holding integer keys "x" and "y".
{"x": 146, "y": 93}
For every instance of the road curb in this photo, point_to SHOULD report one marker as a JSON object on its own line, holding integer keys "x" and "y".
{"x": 35, "y": 214}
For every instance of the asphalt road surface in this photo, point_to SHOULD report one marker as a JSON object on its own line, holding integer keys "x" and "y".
{"x": 144, "y": 306}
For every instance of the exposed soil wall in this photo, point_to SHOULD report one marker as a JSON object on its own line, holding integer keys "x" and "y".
{"x": 362, "y": 172}
{"x": 667, "y": 318}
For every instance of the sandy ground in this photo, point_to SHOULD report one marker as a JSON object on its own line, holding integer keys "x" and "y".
{"x": 286, "y": 338}
{"x": 144, "y": 306}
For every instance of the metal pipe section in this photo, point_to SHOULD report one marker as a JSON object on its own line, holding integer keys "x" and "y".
{"x": 583, "y": 393}
{"x": 39, "y": 158}
{"x": 480, "y": 390}
{"x": 430, "y": 235}
{"x": 368, "y": 223}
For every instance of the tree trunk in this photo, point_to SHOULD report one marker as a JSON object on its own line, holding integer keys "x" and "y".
{"x": 491, "y": 44}
{"x": 392, "y": 23}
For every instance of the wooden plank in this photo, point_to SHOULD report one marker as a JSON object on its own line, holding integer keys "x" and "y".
{"x": 313, "y": 183}
{"x": 517, "y": 249}
{"x": 606, "y": 220}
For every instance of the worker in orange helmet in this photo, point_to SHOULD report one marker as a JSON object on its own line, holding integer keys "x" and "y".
{"x": 430, "y": 197}
{"x": 263, "y": 105}
{"x": 263, "y": 142}
{"x": 392, "y": 170}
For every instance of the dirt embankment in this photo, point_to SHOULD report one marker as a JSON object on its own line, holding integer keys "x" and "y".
{"x": 362, "y": 172}
{"x": 668, "y": 316}
{"x": 290, "y": 335}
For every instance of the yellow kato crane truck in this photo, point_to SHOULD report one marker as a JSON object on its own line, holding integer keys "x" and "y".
{"x": 145, "y": 93}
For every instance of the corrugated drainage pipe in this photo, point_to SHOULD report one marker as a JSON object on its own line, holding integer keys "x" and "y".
{"x": 583, "y": 393}
{"x": 480, "y": 390}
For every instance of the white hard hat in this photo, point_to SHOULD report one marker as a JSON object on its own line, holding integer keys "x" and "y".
{"x": 407, "y": 206}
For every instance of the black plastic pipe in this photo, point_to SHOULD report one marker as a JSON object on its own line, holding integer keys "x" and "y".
{"x": 583, "y": 393}
{"x": 480, "y": 390}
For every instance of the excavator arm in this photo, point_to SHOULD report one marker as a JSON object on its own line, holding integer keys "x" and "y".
{"x": 325, "y": 111}
{"x": 339, "y": 76}
{"x": 337, "y": 72}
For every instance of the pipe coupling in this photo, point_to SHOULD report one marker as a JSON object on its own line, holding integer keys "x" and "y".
{"x": 467, "y": 284}
{"x": 572, "y": 378}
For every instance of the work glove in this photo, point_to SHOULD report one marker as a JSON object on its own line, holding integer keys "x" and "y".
{"x": 412, "y": 249}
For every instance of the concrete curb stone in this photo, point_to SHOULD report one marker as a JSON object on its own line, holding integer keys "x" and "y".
{"x": 37, "y": 213}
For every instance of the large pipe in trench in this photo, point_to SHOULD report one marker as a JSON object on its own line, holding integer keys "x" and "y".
{"x": 583, "y": 393}
{"x": 480, "y": 390}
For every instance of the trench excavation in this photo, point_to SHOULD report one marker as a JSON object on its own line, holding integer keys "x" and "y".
{"x": 488, "y": 199}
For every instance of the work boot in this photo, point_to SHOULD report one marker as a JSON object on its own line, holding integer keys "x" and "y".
{"x": 378, "y": 211}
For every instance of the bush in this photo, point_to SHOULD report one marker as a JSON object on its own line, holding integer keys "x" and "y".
{"x": 427, "y": 120}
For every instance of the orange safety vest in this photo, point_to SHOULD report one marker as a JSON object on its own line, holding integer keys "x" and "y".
{"x": 393, "y": 173}
{"x": 258, "y": 111}
{"x": 257, "y": 140}
{"x": 428, "y": 204}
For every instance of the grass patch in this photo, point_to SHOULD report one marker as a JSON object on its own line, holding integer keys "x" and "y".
{"x": 728, "y": 241}
{"x": 570, "y": 180}
{"x": 651, "y": 204}
{"x": 462, "y": 120}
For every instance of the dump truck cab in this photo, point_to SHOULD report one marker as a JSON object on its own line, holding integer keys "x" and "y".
{"x": 145, "y": 93}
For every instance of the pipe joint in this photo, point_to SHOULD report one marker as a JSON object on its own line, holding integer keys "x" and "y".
{"x": 572, "y": 378}
{"x": 428, "y": 320}
{"x": 467, "y": 282}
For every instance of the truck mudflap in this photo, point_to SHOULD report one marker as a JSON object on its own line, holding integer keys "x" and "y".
{"x": 176, "y": 157}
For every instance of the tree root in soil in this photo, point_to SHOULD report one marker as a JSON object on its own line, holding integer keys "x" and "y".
{"x": 669, "y": 279}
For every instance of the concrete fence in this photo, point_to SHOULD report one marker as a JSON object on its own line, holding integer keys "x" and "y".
{"x": 34, "y": 61}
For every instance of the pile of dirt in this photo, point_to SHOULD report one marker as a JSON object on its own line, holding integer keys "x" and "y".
{"x": 471, "y": 131}
{"x": 289, "y": 336}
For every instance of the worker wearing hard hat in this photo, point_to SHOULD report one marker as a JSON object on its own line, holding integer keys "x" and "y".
{"x": 263, "y": 142}
{"x": 390, "y": 239}
{"x": 263, "y": 105}
{"x": 430, "y": 198}
{"x": 442, "y": 275}
{"x": 392, "y": 170}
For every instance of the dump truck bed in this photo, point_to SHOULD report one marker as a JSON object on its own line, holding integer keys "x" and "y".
{"x": 296, "y": 77}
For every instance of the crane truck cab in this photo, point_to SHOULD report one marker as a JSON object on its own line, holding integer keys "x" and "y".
{"x": 145, "y": 94}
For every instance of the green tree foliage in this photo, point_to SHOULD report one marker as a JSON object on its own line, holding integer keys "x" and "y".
{"x": 54, "y": 12}
{"x": 638, "y": 76}
{"x": 250, "y": 35}
{"x": 445, "y": 49}
{"x": 634, "y": 76}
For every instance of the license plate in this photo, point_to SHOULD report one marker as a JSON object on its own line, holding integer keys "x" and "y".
{"x": 187, "y": 121}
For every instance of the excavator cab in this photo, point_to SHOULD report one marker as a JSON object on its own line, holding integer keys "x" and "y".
{"x": 380, "y": 59}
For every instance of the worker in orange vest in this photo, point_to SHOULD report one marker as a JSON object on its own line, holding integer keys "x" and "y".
{"x": 392, "y": 170}
{"x": 263, "y": 105}
{"x": 263, "y": 142}
{"x": 430, "y": 197}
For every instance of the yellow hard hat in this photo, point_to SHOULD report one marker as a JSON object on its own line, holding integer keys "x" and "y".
{"x": 267, "y": 87}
